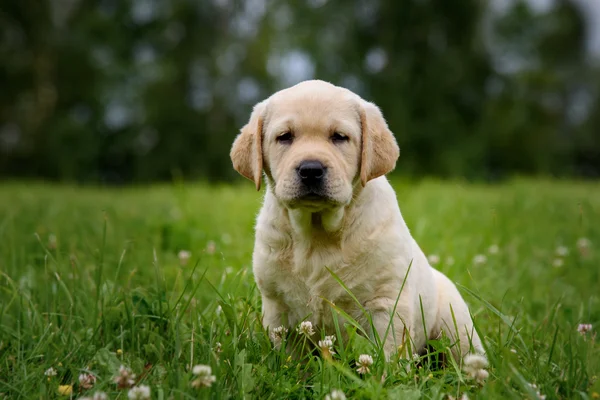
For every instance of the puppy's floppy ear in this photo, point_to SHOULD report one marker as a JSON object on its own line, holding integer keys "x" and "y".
{"x": 246, "y": 152}
{"x": 379, "y": 148}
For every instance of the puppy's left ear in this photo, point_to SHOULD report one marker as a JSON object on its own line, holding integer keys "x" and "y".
{"x": 246, "y": 152}
{"x": 379, "y": 148}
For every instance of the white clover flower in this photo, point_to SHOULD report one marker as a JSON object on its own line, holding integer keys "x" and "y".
{"x": 184, "y": 256}
{"x": 364, "y": 362}
{"x": 493, "y": 249}
{"x": 141, "y": 392}
{"x": 326, "y": 346}
{"x": 475, "y": 361}
{"x": 204, "y": 376}
{"x": 218, "y": 347}
{"x": 416, "y": 358}
{"x": 474, "y": 365}
{"x": 280, "y": 331}
{"x": 125, "y": 379}
{"x": 201, "y": 382}
{"x": 583, "y": 329}
{"x": 87, "y": 381}
{"x": 583, "y": 243}
{"x": 201, "y": 370}
{"x": 558, "y": 262}
{"x": 450, "y": 260}
{"x": 433, "y": 259}
{"x": 562, "y": 251}
{"x": 306, "y": 328}
{"x": 481, "y": 375}
{"x": 365, "y": 359}
{"x": 50, "y": 372}
{"x": 211, "y": 247}
{"x": 479, "y": 259}
{"x": 336, "y": 394}
{"x": 278, "y": 334}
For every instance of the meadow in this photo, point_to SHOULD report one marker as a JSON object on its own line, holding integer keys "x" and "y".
{"x": 158, "y": 279}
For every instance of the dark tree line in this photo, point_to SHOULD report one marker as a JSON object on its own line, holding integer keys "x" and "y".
{"x": 144, "y": 90}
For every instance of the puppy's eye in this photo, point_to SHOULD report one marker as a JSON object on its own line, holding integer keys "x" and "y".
{"x": 285, "y": 138}
{"x": 338, "y": 138}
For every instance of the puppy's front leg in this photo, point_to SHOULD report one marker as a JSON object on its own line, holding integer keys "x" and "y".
{"x": 394, "y": 334}
{"x": 391, "y": 342}
{"x": 275, "y": 321}
{"x": 274, "y": 314}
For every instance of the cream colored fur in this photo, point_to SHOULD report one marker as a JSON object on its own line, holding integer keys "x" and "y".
{"x": 356, "y": 230}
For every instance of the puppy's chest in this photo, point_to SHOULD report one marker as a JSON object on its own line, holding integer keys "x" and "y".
{"x": 307, "y": 286}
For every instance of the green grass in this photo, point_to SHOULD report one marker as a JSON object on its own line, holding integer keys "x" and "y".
{"x": 90, "y": 279}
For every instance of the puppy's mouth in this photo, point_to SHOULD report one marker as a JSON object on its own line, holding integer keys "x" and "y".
{"x": 312, "y": 199}
{"x": 327, "y": 194}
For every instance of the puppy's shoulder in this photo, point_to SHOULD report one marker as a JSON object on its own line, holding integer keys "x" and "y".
{"x": 272, "y": 223}
{"x": 377, "y": 203}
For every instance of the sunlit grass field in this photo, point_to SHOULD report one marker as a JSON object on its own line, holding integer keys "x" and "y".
{"x": 92, "y": 279}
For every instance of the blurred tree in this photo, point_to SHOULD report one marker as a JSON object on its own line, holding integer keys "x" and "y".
{"x": 533, "y": 125}
{"x": 122, "y": 91}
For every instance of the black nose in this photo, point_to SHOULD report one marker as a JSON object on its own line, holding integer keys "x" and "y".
{"x": 311, "y": 171}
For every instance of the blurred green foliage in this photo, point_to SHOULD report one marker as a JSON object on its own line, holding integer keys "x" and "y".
{"x": 136, "y": 91}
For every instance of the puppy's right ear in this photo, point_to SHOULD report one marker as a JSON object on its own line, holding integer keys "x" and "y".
{"x": 246, "y": 152}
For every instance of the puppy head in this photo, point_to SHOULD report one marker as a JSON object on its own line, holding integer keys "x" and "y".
{"x": 315, "y": 141}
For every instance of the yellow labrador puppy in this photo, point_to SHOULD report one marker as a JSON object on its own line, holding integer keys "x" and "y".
{"x": 324, "y": 152}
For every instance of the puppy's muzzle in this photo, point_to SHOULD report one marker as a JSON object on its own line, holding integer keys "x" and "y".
{"x": 311, "y": 174}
